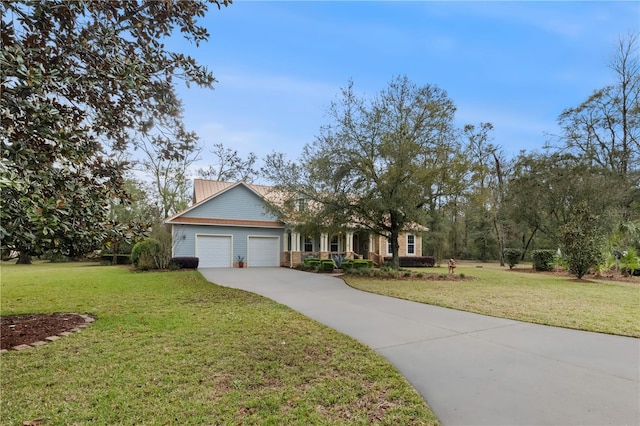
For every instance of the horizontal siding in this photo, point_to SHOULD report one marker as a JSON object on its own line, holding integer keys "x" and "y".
{"x": 184, "y": 237}
{"x": 239, "y": 203}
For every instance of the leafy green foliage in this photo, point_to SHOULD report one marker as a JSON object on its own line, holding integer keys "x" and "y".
{"x": 630, "y": 261}
{"x": 512, "y": 256}
{"x": 543, "y": 260}
{"x": 78, "y": 81}
{"x": 377, "y": 164}
{"x": 582, "y": 241}
{"x": 144, "y": 254}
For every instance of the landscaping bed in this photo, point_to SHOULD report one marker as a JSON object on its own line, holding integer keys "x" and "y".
{"x": 16, "y": 330}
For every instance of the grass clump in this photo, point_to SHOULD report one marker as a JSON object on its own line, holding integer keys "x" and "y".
{"x": 172, "y": 348}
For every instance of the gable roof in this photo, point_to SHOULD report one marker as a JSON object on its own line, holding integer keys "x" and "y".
{"x": 204, "y": 189}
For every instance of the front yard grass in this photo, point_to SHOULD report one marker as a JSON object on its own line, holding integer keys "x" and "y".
{"x": 594, "y": 305}
{"x": 172, "y": 348}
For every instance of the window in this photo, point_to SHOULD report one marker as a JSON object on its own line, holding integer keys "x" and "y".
{"x": 389, "y": 248}
{"x": 411, "y": 244}
{"x": 334, "y": 244}
{"x": 308, "y": 244}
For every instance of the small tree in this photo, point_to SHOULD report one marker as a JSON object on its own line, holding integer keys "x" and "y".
{"x": 582, "y": 242}
{"x": 512, "y": 256}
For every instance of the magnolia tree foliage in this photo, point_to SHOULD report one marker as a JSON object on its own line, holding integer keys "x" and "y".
{"x": 78, "y": 79}
{"x": 377, "y": 164}
{"x": 582, "y": 241}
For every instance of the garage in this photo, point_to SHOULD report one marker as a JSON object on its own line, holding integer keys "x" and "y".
{"x": 214, "y": 251}
{"x": 263, "y": 251}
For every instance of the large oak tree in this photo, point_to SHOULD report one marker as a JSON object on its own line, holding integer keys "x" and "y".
{"x": 378, "y": 163}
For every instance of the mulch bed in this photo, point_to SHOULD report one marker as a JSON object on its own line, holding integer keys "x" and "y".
{"x": 26, "y": 329}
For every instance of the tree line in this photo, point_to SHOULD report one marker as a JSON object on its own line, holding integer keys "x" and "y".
{"x": 88, "y": 87}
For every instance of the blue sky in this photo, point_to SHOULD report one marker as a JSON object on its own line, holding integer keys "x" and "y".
{"x": 514, "y": 64}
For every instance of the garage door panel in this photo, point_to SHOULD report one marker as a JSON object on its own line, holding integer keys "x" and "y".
{"x": 263, "y": 251}
{"x": 214, "y": 251}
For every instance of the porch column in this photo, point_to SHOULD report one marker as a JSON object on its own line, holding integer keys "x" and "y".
{"x": 349, "y": 247}
{"x": 295, "y": 241}
{"x": 372, "y": 244}
{"x": 324, "y": 242}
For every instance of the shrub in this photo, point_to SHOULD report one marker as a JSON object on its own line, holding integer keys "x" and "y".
{"x": 512, "y": 256}
{"x": 311, "y": 261}
{"x": 414, "y": 261}
{"x": 347, "y": 264}
{"x": 120, "y": 259}
{"x": 327, "y": 265}
{"x": 185, "y": 262}
{"x": 362, "y": 263}
{"x": 630, "y": 262}
{"x": 145, "y": 254}
{"x": 543, "y": 260}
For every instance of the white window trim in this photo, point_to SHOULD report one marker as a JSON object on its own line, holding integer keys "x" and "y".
{"x": 414, "y": 245}
{"x": 337, "y": 237}
{"x": 304, "y": 245}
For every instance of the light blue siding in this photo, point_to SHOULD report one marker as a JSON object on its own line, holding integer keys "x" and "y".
{"x": 238, "y": 202}
{"x": 184, "y": 237}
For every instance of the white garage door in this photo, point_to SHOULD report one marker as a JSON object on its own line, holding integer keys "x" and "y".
{"x": 263, "y": 251}
{"x": 213, "y": 251}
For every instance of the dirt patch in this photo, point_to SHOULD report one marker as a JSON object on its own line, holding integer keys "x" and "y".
{"x": 26, "y": 329}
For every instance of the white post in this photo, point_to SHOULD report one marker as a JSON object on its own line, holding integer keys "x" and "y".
{"x": 349, "y": 247}
{"x": 295, "y": 241}
{"x": 324, "y": 242}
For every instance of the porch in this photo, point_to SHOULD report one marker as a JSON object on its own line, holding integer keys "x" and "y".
{"x": 350, "y": 244}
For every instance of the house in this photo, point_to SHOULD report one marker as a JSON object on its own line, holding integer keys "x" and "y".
{"x": 229, "y": 221}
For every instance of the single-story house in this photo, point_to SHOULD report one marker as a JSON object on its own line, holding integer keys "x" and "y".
{"x": 229, "y": 221}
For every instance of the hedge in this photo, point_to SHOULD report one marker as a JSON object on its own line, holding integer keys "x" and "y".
{"x": 414, "y": 261}
{"x": 121, "y": 259}
{"x": 327, "y": 265}
{"x": 185, "y": 262}
{"x": 543, "y": 260}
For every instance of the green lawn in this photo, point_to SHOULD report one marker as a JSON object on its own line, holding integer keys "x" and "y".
{"x": 597, "y": 305}
{"x": 171, "y": 348}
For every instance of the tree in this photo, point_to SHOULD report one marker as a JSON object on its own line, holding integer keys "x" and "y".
{"x": 169, "y": 168}
{"x": 488, "y": 173}
{"x": 379, "y": 163}
{"x": 229, "y": 166}
{"x": 76, "y": 79}
{"x": 582, "y": 241}
{"x": 544, "y": 188}
{"x": 605, "y": 129}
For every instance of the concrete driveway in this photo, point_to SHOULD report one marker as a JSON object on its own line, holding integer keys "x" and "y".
{"x": 471, "y": 369}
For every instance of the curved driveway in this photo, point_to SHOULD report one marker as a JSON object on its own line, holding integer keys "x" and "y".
{"x": 471, "y": 369}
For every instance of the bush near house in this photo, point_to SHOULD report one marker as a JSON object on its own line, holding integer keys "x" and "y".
{"x": 327, "y": 265}
{"x": 414, "y": 261}
{"x": 185, "y": 262}
{"x": 312, "y": 262}
{"x": 146, "y": 254}
{"x": 357, "y": 264}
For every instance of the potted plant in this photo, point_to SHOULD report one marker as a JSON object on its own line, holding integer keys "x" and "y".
{"x": 240, "y": 260}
